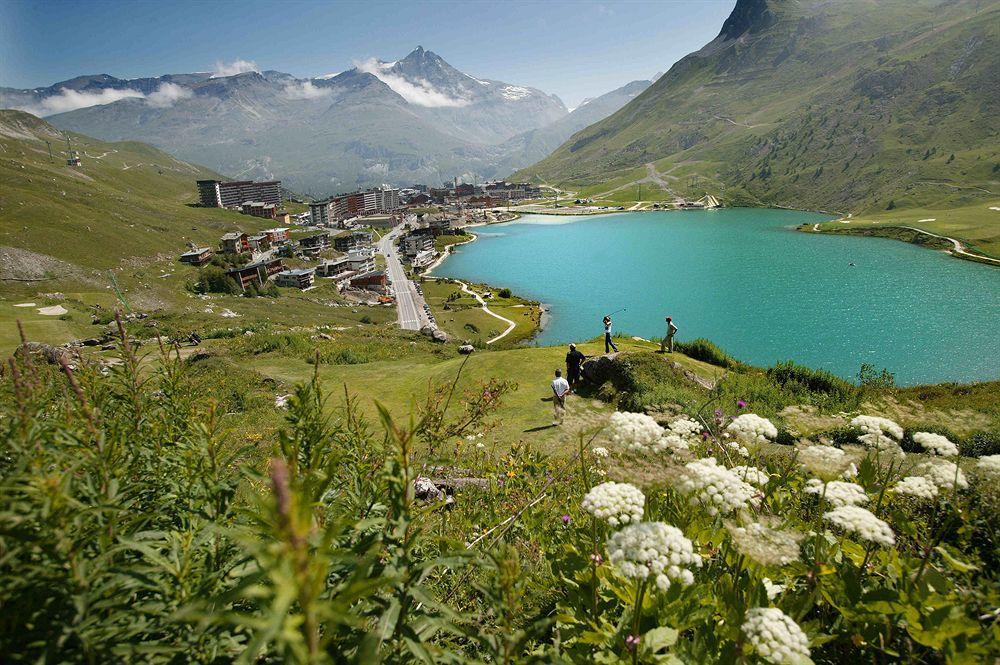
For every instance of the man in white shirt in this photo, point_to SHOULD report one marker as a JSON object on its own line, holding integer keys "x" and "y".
{"x": 560, "y": 388}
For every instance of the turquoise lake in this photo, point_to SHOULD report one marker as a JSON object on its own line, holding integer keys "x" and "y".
{"x": 748, "y": 281}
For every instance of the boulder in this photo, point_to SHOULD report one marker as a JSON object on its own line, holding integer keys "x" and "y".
{"x": 599, "y": 369}
{"x": 439, "y": 336}
{"x": 466, "y": 349}
{"x": 425, "y": 489}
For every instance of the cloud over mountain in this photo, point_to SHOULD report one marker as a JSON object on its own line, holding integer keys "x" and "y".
{"x": 167, "y": 94}
{"x": 305, "y": 90}
{"x": 233, "y": 68}
{"x": 70, "y": 100}
{"x": 416, "y": 90}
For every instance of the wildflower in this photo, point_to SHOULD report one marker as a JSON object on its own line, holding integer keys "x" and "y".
{"x": 751, "y": 428}
{"x": 851, "y": 471}
{"x": 716, "y": 487}
{"x": 653, "y": 550}
{"x": 946, "y": 475}
{"x": 632, "y": 641}
{"x": 989, "y": 464}
{"x": 566, "y": 519}
{"x": 879, "y": 434}
{"x": 766, "y": 546}
{"x": 600, "y": 452}
{"x": 771, "y": 589}
{"x": 741, "y": 404}
{"x": 837, "y": 492}
{"x": 480, "y": 445}
{"x": 737, "y": 448}
{"x": 916, "y": 486}
{"x": 685, "y": 427}
{"x": 673, "y": 443}
{"x": 635, "y": 431}
{"x": 936, "y": 444}
{"x": 752, "y": 475}
{"x": 775, "y": 636}
{"x": 615, "y": 503}
{"x": 596, "y": 559}
{"x": 862, "y": 522}
{"x": 826, "y": 462}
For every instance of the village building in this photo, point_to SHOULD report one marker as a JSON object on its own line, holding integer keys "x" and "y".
{"x": 353, "y": 241}
{"x": 423, "y": 258}
{"x": 374, "y": 280}
{"x": 415, "y": 243}
{"x": 299, "y": 278}
{"x": 235, "y": 242}
{"x": 197, "y": 256}
{"x": 259, "y": 209}
{"x": 259, "y": 242}
{"x": 278, "y": 235}
{"x": 314, "y": 244}
{"x": 255, "y": 273}
{"x": 233, "y": 194}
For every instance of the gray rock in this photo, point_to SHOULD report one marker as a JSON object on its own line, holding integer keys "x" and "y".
{"x": 466, "y": 349}
{"x": 439, "y": 336}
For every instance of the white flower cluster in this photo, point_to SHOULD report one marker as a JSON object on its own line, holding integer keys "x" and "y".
{"x": 946, "y": 475}
{"x": 716, "y": 487}
{"x": 824, "y": 461}
{"x": 635, "y": 431}
{"x": 751, "y": 428}
{"x": 916, "y": 486}
{"x": 738, "y": 449}
{"x": 771, "y": 589}
{"x": 673, "y": 442}
{"x": 752, "y": 475}
{"x": 862, "y": 522}
{"x": 654, "y": 550}
{"x": 615, "y": 503}
{"x": 685, "y": 427}
{"x": 936, "y": 444}
{"x": 766, "y": 546}
{"x": 879, "y": 434}
{"x": 989, "y": 465}
{"x": 837, "y": 492}
{"x": 600, "y": 452}
{"x": 775, "y": 636}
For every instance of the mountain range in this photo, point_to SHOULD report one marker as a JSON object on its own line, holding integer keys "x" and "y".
{"x": 417, "y": 119}
{"x": 852, "y": 105}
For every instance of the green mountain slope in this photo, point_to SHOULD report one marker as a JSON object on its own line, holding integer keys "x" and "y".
{"x": 127, "y": 201}
{"x": 852, "y": 105}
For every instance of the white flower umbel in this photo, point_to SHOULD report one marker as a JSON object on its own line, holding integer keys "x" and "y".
{"x": 861, "y": 522}
{"x": 715, "y": 487}
{"x": 771, "y": 589}
{"x": 989, "y": 465}
{"x": 654, "y": 551}
{"x": 917, "y": 487}
{"x": 673, "y": 442}
{"x": 752, "y": 475}
{"x": 615, "y": 503}
{"x": 936, "y": 444}
{"x": 823, "y": 461}
{"x": 600, "y": 452}
{"x": 776, "y": 638}
{"x": 752, "y": 429}
{"x": 685, "y": 427}
{"x": 635, "y": 431}
{"x": 946, "y": 475}
{"x": 766, "y": 546}
{"x": 879, "y": 434}
{"x": 838, "y": 492}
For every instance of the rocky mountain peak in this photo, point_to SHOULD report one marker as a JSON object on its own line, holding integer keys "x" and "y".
{"x": 747, "y": 16}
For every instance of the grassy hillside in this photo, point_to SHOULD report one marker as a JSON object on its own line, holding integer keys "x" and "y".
{"x": 128, "y": 200}
{"x": 855, "y": 106}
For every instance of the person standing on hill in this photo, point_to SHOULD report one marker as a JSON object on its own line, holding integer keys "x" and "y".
{"x": 560, "y": 388}
{"x": 667, "y": 343}
{"x": 574, "y": 361}
{"x": 608, "y": 342}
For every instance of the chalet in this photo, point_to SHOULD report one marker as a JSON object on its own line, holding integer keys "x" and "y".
{"x": 259, "y": 209}
{"x": 334, "y": 268}
{"x": 371, "y": 281}
{"x": 353, "y": 241}
{"x": 255, "y": 273}
{"x": 314, "y": 244}
{"x": 259, "y": 242}
{"x": 278, "y": 235}
{"x": 420, "y": 199}
{"x": 299, "y": 278}
{"x": 413, "y": 244}
{"x": 235, "y": 242}
{"x": 197, "y": 256}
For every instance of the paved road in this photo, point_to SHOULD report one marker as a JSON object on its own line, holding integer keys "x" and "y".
{"x": 409, "y": 304}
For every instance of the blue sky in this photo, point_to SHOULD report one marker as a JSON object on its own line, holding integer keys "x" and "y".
{"x": 573, "y": 49}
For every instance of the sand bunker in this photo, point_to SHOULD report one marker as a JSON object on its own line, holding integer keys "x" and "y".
{"x": 54, "y": 310}
{"x": 25, "y": 304}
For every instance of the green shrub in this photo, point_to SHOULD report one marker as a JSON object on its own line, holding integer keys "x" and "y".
{"x": 707, "y": 351}
{"x": 798, "y": 377}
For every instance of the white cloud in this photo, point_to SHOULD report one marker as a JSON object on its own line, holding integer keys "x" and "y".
{"x": 233, "y": 68}
{"x": 70, "y": 100}
{"x": 305, "y": 90}
{"x": 167, "y": 94}
{"x": 418, "y": 91}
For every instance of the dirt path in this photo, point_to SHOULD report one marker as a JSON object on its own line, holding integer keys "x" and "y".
{"x": 957, "y": 247}
{"x": 510, "y": 324}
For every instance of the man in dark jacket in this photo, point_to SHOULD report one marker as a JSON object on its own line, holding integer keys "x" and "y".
{"x": 574, "y": 361}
